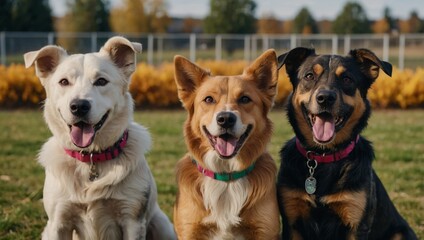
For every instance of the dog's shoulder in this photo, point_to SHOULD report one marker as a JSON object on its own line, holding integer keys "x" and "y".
{"x": 139, "y": 136}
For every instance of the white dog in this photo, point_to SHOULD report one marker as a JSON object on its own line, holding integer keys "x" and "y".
{"x": 98, "y": 184}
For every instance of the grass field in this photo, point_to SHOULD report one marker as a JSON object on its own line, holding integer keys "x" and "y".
{"x": 398, "y": 138}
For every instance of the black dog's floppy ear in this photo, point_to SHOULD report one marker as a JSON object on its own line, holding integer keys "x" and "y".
{"x": 294, "y": 58}
{"x": 370, "y": 64}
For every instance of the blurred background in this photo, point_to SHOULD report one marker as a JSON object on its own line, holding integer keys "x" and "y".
{"x": 216, "y": 29}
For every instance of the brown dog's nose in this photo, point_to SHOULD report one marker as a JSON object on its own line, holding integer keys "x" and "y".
{"x": 326, "y": 97}
{"x": 226, "y": 119}
{"x": 80, "y": 107}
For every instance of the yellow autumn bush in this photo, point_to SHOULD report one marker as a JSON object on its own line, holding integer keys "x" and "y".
{"x": 154, "y": 86}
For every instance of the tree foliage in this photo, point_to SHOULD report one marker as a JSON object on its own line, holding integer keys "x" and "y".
{"x": 140, "y": 16}
{"x": 352, "y": 19}
{"x": 304, "y": 22}
{"x": 234, "y": 16}
{"x": 26, "y": 15}
{"x": 87, "y": 16}
{"x": 270, "y": 24}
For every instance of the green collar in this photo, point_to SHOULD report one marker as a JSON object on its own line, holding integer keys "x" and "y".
{"x": 225, "y": 177}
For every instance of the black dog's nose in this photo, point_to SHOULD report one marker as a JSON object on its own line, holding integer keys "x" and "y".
{"x": 326, "y": 97}
{"x": 226, "y": 119}
{"x": 80, "y": 107}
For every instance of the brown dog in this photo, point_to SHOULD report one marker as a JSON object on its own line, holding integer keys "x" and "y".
{"x": 227, "y": 179}
{"x": 327, "y": 186}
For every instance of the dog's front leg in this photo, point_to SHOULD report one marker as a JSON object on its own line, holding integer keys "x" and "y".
{"x": 135, "y": 229}
{"x": 56, "y": 231}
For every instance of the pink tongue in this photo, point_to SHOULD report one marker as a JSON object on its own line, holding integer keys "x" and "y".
{"x": 82, "y": 135}
{"x": 323, "y": 129}
{"x": 225, "y": 147}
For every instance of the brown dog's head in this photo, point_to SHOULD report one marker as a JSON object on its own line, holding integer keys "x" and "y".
{"x": 227, "y": 114}
{"x": 329, "y": 106}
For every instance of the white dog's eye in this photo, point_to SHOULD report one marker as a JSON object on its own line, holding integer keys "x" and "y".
{"x": 64, "y": 82}
{"x": 101, "y": 82}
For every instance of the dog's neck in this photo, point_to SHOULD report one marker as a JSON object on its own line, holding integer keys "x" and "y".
{"x": 327, "y": 157}
{"x": 224, "y": 176}
{"x": 108, "y": 154}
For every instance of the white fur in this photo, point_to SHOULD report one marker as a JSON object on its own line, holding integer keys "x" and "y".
{"x": 121, "y": 203}
{"x": 224, "y": 199}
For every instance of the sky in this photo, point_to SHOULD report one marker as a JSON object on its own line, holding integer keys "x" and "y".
{"x": 284, "y": 9}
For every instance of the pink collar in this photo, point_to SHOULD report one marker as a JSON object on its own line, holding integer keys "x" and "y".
{"x": 108, "y": 154}
{"x": 326, "y": 157}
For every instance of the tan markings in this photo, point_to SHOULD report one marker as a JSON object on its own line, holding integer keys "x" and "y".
{"x": 350, "y": 206}
{"x": 302, "y": 122}
{"x": 359, "y": 108}
{"x": 296, "y": 235}
{"x": 397, "y": 236}
{"x": 340, "y": 70}
{"x": 297, "y": 204}
{"x": 318, "y": 69}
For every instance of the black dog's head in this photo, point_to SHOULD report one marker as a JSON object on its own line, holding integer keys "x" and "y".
{"x": 329, "y": 106}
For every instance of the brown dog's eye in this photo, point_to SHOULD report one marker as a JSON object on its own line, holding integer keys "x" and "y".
{"x": 209, "y": 99}
{"x": 101, "y": 82}
{"x": 64, "y": 82}
{"x": 245, "y": 99}
{"x": 309, "y": 77}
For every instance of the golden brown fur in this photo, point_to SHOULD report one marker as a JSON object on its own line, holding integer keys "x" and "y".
{"x": 250, "y": 210}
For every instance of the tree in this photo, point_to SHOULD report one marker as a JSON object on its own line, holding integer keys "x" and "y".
{"x": 234, "y": 16}
{"x": 270, "y": 24}
{"x": 140, "y": 16}
{"x": 31, "y": 15}
{"x": 304, "y": 22}
{"x": 87, "y": 16}
{"x": 389, "y": 19}
{"x": 5, "y": 15}
{"x": 415, "y": 23}
{"x": 352, "y": 19}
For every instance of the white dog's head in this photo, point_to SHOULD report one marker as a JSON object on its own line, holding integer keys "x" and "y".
{"x": 88, "y": 105}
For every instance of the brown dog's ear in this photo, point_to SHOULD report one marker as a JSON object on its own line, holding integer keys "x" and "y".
{"x": 122, "y": 52}
{"x": 45, "y": 60}
{"x": 187, "y": 77}
{"x": 370, "y": 64}
{"x": 265, "y": 72}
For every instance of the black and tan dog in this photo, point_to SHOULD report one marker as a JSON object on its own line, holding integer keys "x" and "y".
{"x": 327, "y": 188}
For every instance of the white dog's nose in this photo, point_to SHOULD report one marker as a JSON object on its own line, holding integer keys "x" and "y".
{"x": 80, "y": 107}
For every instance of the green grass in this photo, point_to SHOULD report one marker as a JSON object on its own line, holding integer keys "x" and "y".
{"x": 397, "y": 136}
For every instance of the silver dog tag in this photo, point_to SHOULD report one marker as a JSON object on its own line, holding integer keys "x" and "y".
{"x": 310, "y": 185}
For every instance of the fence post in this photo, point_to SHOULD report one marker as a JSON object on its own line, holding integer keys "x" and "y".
{"x": 93, "y": 41}
{"x": 292, "y": 41}
{"x": 265, "y": 42}
{"x": 160, "y": 48}
{"x": 150, "y": 42}
{"x": 334, "y": 44}
{"x": 247, "y": 48}
{"x": 50, "y": 38}
{"x": 386, "y": 40}
{"x": 193, "y": 47}
{"x": 3, "y": 47}
{"x": 346, "y": 44}
{"x": 401, "y": 51}
{"x": 218, "y": 47}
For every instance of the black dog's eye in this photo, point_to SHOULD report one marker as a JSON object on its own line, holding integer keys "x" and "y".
{"x": 209, "y": 99}
{"x": 244, "y": 100}
{"x": 64, "y": 82}
{"x": 347, "y": 80}
{"x": 101, "y": 82}
{"x": 309, "y": 77}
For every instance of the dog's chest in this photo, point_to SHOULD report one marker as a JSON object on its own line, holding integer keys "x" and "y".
{"x": 224, "y": 201}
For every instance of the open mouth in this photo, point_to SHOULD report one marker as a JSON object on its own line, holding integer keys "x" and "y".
{"x": 227, "y": 145}
{"x": 324, "y": 125}
{"x": 82, "y": 133}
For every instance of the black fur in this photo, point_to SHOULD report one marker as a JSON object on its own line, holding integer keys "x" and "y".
{"x": 378, "y": 219}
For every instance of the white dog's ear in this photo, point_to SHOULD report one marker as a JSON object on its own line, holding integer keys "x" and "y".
{"x": 45, "y": 60}
{"x": 122, "y": 52}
